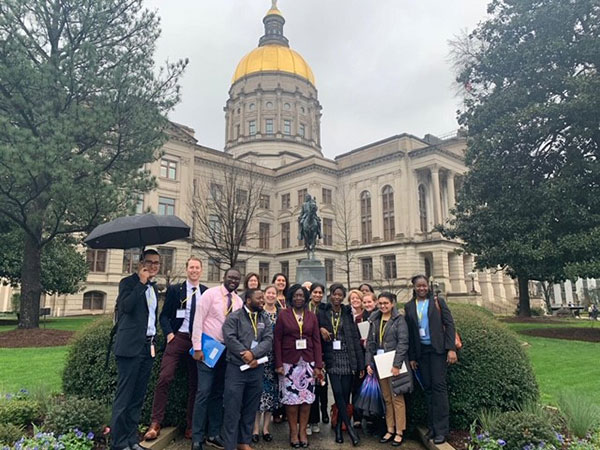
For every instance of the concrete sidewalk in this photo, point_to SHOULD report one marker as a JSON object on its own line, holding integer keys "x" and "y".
{"x": 325, "y": 440}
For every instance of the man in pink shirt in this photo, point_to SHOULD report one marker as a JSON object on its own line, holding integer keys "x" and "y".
{"x": 213, "y": 308}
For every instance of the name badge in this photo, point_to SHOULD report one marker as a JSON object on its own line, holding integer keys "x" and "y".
{"x": 300, "y": 344}
{"x": 422, "y": 332}
{"x": 180, "y": 314}
{"x": 152, "y": 350}
{"x": 254, "y": 344}
{"x": 260, "y": 325}
{"x": 337, "y": 344}
{"x": 380, "y": 351}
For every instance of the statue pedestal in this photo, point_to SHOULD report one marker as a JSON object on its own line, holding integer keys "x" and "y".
{"x": 311, "y": 270}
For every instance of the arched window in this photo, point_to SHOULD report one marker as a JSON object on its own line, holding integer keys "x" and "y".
{"x": 94, "y": 300}
{"x": 365, "y": 217}
{"x": 389, "y": 229}
{"x": 423, "y": 208}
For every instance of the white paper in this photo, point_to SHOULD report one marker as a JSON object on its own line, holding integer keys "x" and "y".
{"x": 385, "y": 362}
{"x": 363, "y": 327}
{"x": 262, "y": 360}
{"x": 213, "y": 353}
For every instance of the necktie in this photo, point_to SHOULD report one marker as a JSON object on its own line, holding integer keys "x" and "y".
{"x": 192, "y": 310}
{"x": 228, "y": 302}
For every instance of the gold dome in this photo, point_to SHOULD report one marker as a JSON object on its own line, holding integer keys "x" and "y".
{"x": 273, "y": 58}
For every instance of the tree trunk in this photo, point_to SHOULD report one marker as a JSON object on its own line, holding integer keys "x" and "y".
{"x": 348, "y": 272}
{"x": 31, "y": 285}
{"x": 524, "y": 307}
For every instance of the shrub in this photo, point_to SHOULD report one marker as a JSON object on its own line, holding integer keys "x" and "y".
{"x": 85, "y": 373}
{"x": 19, "y": 411}
{"x": 493, "y": 371}
{"x": 73, "y": 440}
{"x": 580, "y": 413}
{"x": 10, "y": 433}
{"x": 71, "y": 413}
{"x": 521, "y": 429}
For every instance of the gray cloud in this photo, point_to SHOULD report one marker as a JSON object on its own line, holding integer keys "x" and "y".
{"x": 381, "y": 67}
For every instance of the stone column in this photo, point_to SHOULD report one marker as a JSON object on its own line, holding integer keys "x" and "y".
{"x": 498, "y": 284}
{"x": 441, "y": 270}
{"x": 260, "y": 126}
{"x": 243, "y": 132}
{"x": 457, "y": 273}
{"x": 451, "y": 191}
{"x": 435, "y": 181}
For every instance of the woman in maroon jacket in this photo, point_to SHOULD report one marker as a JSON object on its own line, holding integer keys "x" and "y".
{"x": 298, "y": 361}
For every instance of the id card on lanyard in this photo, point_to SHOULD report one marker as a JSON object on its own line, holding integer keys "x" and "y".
{"x": 335, "y": 324}
{"x": 300, "y": 343}
{"x": 420, "y": 311}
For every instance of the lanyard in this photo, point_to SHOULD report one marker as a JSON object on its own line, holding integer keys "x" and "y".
{"x": 312, "y": 307}
{"x": 189, "y": 297}
{"x": 299, "y": 322}
{"x": 382, "y": 328}
{"x": 336, "y": 324}
{"x": 254, "y": 322}
{"x": 421, "y": 309}
{"x": 281, "y": 305}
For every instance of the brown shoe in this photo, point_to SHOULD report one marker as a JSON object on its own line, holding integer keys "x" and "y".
{"x": 188, "y": 433}
{"x": 153, "y": 432}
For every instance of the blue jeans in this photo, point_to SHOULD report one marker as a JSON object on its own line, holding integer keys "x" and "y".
{"x": 209, "y": 397}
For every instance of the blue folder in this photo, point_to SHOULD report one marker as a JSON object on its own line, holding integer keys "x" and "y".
{"x": 212, "y": 350}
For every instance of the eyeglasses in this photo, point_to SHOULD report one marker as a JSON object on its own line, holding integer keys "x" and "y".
{"x": 152, "y": 263}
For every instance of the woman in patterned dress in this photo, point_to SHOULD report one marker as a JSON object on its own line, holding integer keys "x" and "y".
{"x": 269, "y": 399}
{"x": 298, "y": 361}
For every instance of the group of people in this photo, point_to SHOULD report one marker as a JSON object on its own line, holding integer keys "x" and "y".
{"x": 271, "y": 354}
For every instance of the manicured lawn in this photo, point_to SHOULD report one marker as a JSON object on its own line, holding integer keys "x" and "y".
{"x": 31, "y": 367}
{"x": 563, "y": 365}
{"x": 37, "y": 367}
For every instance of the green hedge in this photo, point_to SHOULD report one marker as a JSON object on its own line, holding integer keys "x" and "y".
{"x": 85, "y": 374}
{"x": 19, "y": 412}
{"x": 70, "y": 412}
{"x": 493, "y": 371}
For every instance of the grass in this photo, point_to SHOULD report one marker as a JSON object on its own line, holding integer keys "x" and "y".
{"x": 32, "y": 368}
{"x": 35, "y": 368}
{"x": 560, "y": 364}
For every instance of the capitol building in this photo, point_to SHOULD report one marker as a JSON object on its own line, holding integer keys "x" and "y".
{"x": 379, "y": 203}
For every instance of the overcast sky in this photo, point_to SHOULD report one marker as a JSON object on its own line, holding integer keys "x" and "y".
{"x": 381, "y": 66}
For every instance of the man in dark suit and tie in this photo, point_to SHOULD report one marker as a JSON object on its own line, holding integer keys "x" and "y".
{"x": 176, "y": 319}
{"x": 248, "y": 335}
{"x": 134, "y": 349}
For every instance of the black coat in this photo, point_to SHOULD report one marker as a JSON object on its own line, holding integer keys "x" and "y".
{"x": 395, "y": 337}
{"x": 441, "y": 327}
{"x": 132, "y": 324}
{"x": 176, "y": 293}
{"x": 351, "y": 336}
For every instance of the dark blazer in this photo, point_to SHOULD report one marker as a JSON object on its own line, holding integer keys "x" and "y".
{"x": 351, "y": 336}
{"x": 168, "y": 316}
{"x": 441, "y": 328}
{"x": 132, "y": 322}
{"x": 286, "y": 333}
{"x": 238, "y": 335}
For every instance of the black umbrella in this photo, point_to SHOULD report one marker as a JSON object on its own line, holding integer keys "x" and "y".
{"x": 137, "y": 231}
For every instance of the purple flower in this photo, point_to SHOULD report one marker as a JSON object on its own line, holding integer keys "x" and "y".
{"x": 78, "y": 433}
{"x": 480, "y": 437}
{"x": 90, "y": 435}
{"x": 501, "y": 442}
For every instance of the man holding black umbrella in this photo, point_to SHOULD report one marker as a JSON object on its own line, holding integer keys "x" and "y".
{"x": 135, "y": 350}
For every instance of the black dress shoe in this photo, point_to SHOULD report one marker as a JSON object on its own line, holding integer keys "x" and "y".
{"x": 385, "y": 440}
{"x": 215, "y": 442}
{"x": 255, "y": 438}
{"x": 295, "y": 444}
{"x": 397, "y": 443}
{"x": 197, "y": 446}
{"x": 439, "y": 440}
{"x": 303, "y": 444}
{"x": 138, "y": 447}
{"x": 267, "y": 437}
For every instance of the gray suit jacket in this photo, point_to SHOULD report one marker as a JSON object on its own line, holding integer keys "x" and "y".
{"x": 238, "y": 334}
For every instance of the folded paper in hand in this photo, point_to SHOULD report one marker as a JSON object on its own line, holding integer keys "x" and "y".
{"x": 385, "y": 362}
{"x": 262, "y": 360}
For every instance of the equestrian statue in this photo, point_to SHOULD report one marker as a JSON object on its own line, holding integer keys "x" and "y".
{"x": 309, "y": 225}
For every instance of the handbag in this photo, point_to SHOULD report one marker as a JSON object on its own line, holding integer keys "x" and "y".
{"x": 457, "y": 340}
{"x": 334, "y": 415}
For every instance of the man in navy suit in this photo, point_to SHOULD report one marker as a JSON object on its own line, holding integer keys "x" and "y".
{"x": 134, "y": 349}
{"x": 176, "y": 319}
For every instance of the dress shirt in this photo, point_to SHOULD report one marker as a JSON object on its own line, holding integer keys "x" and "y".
{"x": 210, "y": 314}
{"x": 151, "y": 300}
{"x": 190, "y": 290}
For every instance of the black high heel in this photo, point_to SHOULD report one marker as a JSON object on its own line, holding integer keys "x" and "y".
{"x": 353, "y": 436}
{"x": 339, "y": 437}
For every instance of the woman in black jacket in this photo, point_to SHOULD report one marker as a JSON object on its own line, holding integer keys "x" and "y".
{"x": 342, "y": 354}
{"x": 388, "y": 332}
{"x": 432, "y": 348}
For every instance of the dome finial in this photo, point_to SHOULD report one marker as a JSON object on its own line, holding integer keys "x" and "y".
{"x": 274, "y": 22}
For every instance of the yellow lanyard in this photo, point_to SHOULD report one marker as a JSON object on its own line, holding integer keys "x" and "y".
{"x": 336, "y": 324}
{"x": 421, "y": 309}
{"x": 281, "y": 305}
{"x": 382, "y": 328}
{"x": 299, "y": 322}
{"x": 312, "y": 307}
{"x": 189, "y": 297}
{"x": 254, "y": 321}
